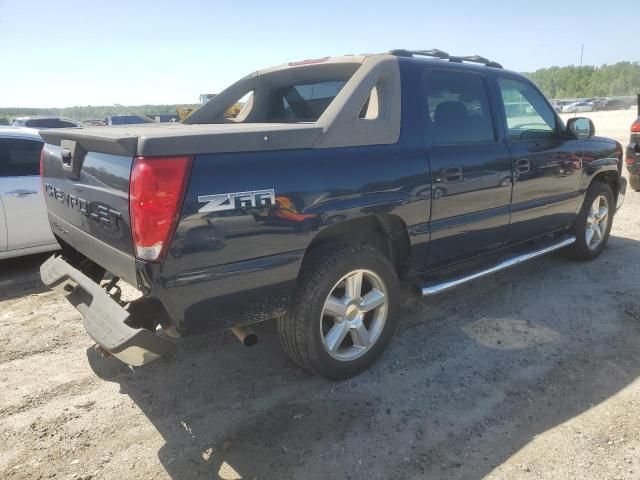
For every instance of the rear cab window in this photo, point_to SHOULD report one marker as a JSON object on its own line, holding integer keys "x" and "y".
{"x": 302, "y": 102}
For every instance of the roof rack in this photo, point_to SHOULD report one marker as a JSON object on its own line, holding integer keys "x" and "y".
{"x": 435, "y": 53}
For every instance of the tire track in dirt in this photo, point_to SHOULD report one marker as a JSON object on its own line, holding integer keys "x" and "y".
{"x": 30, "y": 402}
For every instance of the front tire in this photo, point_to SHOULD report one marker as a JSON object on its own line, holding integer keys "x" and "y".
{"x": 343, "y": 313}
{"x": 593, "y": 223}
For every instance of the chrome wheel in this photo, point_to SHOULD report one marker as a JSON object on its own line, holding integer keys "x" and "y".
{"x": 354, "y": 315}
{"x": 597, "y": 222}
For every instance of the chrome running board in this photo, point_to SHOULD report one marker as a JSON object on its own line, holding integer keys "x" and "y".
{"x": 429, "y": 289}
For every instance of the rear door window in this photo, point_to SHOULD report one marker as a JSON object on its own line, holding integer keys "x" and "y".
{"x": 458, "y": 108}
{"x": 304, "y": 102}
{"x": 19, "y": 157}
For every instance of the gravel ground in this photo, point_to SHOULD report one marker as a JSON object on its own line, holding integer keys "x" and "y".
{"x": 531, "y": 373}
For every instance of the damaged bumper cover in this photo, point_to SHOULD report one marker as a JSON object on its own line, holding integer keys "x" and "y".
{"x": 622, "y": 191}
{"x": 105, "y": 320}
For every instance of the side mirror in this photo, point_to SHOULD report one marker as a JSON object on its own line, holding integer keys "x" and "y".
{"x": 581, "y": 127}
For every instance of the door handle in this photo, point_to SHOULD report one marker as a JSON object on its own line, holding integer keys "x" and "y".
{"x": 20, "y": 193}
{"x": 452, "y": 174}
{"x": 523, "y": 165}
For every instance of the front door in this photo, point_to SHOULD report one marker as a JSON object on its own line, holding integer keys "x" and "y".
{"x": 547, "y": 168}
{"x": 21, "y": 193}
{"x": 470, "y": 169}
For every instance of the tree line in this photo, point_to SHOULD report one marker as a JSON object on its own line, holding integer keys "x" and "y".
{"x": 621, "y": 79}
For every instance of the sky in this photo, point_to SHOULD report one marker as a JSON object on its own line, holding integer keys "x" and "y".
{"x": 59, "y": 53}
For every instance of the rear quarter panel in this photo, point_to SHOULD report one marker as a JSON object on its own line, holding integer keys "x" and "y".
{"x": 313, "y": 188}
{"x": 232, "y": 266}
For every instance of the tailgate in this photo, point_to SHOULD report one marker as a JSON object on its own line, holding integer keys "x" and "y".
{"x": 87, "y": 196}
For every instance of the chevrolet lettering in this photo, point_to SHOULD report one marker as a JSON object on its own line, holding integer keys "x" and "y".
{"x": 94, "y": 210}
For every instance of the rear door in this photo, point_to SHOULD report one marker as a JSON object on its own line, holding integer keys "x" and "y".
{"x": 470, "y": 167}
{"x": 547, "y": 163}
{"x": 25, "y": 215}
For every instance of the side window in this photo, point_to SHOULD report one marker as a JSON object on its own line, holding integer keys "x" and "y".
{"x": 240, "y": 108}
{"x": 369, "y": 110}
{"x": 19, "y": 157}
{"x": 528, "y": 115}
{"x": 458, "y": 108}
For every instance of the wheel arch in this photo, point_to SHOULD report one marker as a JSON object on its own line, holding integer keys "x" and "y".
{"x": 385, "y": 232}
{"x": 609, "y": 177}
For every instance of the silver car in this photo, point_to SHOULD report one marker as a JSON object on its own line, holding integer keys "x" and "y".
{"x": 576, "y": 107}
{"x": 24, "y": 228}
{"x": 41, "y": 122}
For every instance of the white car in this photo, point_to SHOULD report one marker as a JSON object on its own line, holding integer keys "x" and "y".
{"x": 24, "y": 227}
{"x": 41, "y": 122}
{"x": 578, "y": 107}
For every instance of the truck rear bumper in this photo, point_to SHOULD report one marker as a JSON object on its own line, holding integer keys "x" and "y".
{"x": 104, "y": 319}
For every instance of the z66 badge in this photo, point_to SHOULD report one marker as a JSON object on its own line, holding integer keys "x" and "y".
{"x": 232, "y": 201}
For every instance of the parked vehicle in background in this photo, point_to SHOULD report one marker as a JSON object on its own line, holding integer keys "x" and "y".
{"x": 336, "y": 178}
{"x": 94, "y": 123}
{"x": 41, "y": 122}
{"x": 559, "y": 104}
{"x": 578, "y": 107}
{"x": 616, "y": 104}
{"x": 164, "y": 117}
{"x": 598, "y": 103}
{"x": 633, "y": 155}
{"x": 24, "y": 227}
{"x": 127, "y": 119}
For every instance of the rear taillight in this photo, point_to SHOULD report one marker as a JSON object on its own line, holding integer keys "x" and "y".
{"x": 635, "y": 126}
{"x": 156, "y": 192}
{"x": 41, "y": 161}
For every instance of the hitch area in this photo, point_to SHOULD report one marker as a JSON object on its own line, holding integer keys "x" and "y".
{"x": 126, "y": 333}
{"x": 145, "y": 312}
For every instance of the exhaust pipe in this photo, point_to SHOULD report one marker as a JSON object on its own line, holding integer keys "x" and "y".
{"x": 246, "y": 336}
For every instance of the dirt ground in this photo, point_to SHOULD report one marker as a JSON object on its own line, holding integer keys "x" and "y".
{"x": 531, "y": 373}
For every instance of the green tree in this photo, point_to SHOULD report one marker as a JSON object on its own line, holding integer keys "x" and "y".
{"x": 588, "y": 81}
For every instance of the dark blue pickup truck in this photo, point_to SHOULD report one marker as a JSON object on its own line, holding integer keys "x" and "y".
{"x": 337, "y": 178}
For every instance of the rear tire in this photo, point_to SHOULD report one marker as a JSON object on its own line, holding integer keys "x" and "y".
{"x": 593, "y": 223}
{"x": 344, "y": 311}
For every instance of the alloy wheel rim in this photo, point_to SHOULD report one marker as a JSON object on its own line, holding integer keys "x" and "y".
{"x": 353, "y": 315}
{"x": 597, "y": 222}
